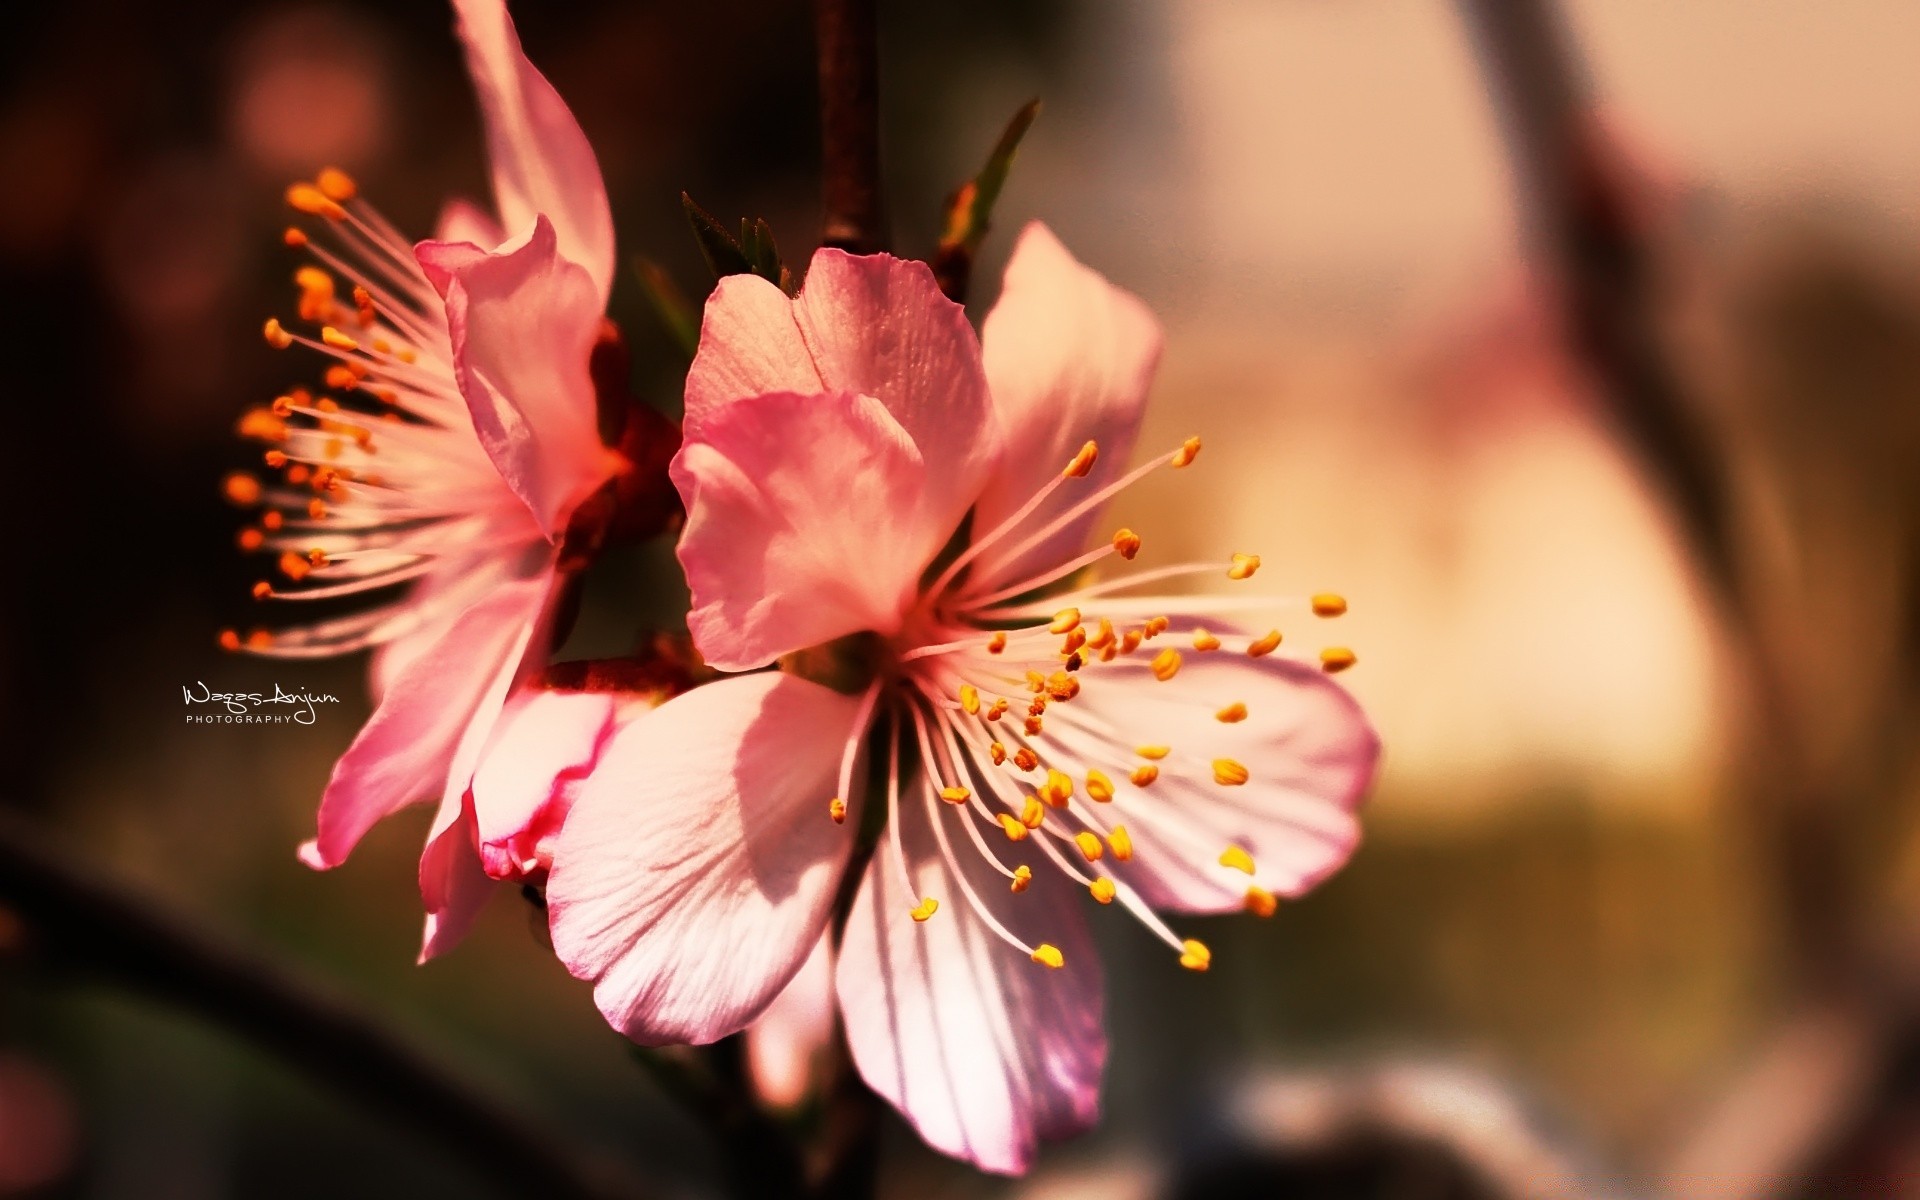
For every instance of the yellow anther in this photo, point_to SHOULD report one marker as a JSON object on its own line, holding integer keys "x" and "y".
{"x": 252, "y": 539}
{"x": 1326, "y": 604}
{"x": 1144, "y": 774}
{"x": 955, "y": 794}
{"x": 317, "y": 510}
{"x": 1102, "y": 890}
{"x": 336, "y": 184}
{"x": 998, "y": 710}
{"x": 997, "y": 642}
{"x": 1264, "y": 646}
{"x": 1089, "y": 845}
{"x": 1036, "y": 682}
{"x": 342, "y": 378}
{"x": 1232, "y": 714}
{"x": 1238, "y": 859}
{"x": 298, "y": 473}
{"x": 262, "y": 590}
{"x": 1062, "y": 686}
{"x": 1335, "y": 659}
{"x": 1186, "y": 453}
{"x": 1099, "y": 787}
{"x": 277, "y": 337}
{"x": 1166, "y": 664}
{"x": 1228, "y": 773}
{"x": 317, "y": 557}
{"x": 1121, "y": 843}
{"x": 998, "y": 753}
{"x": 1076, "y": 638}
{"x": 241, "y": 488}
{"x": 1154, "y": 752}
{"x": 259, "y": 639}
{"x": 1103, "y": 637}
{"x": 1261, "y": 902}
{"x": 1157, "y": 626}
{"x": 1058, "y": 789}
{"x": 295, "y": 566}
{"x": 1203, "y": 640}
{"x": 837, "y": 809}
{"x": 1109, "y": 653}
{"x": 1025, "y": 759}
{"x": 306, "y": 198}
{"x": 1033, "y": 813}
{"x": 970, "y": 698}
{"x": 1126, "y": 543}
{"x": 1048, "y": 955}
{"x": 1244, "y": 565}
{"x": 1033, "y": 726}
{"x": 1194, "y": 955}
{"x": 339, "y": 341}
{"x": 272, "y": 519}
{"x": 1131, "y": 641}
{"x": 1065, "y": 619}
{"x": 926, "y": 908}
{"x": 1022, "y": 876}
{"x": 262, "y": 425}
{"x": 1082, "y": 462}
{"x": 294, "y": 236}
{"x": 1015, "y": 829}
{"x": 229, "y": 639}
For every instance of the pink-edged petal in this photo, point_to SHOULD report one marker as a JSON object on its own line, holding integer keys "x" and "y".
{"x": 541, "y": 161}
{"x": 452, "y": 885}
{"x": 983, "y": 1050}
{"x": 697, "y": 868}
{"x": 408, "y": 748}
{"x": 871, "y": 324}
{"x": 1069, "y": 358}
{"x": 464, "y": 221}
{"x": 807, "y": 519}
{"x": 785, "y": 1045}
{"x": 543, "y": 746}
{"x": 1308, "y": 750}
{"x": 522, "y": 323}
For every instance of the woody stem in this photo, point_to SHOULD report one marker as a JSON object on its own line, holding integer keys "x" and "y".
{"x": 849, "y": 65}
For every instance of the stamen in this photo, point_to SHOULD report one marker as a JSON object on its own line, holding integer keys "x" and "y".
{"x": 1204, "y": 641}
{"x": 1089, "y": 844}
{"x": 1244, "y": 565}
{"x": 1186, "y": 453}
{"x": 1335, "y": 659}
{"x": 336, "y": 184}
{"x": 1261, "y": 902}
{"x": 1099, "y": 787}
{"x": 926, "y": 908}
{"x": 1102, "y": 890}
{"x": 955, "y": 795}
{"x": 1166, "y": 664}
{"x": 241, "y": 488}
{"x": 1144, "y": 774}
{"x": 1232, "y": 714}
{"x": 837, "y": 809}
{"x": 1126, "y": 543}
{"x": 1120, "y": 842}
{"x": 1065, "y": 619}
{"x": 1327, "y": 604}
{"x": 1264, "y": 646}
{"x": 277, "y": 337}
{"x": 997, "y": 642}
{"x": 311, "y": 200}
{"x": 1153, "y": 752}
{"x": 1022, "y": 876}
{"x": 1048, "y": 955}
{"x": 1229, "y": 773}
{"x": 1082, "y": 462}
{"x": 1194, "y": 955}
{"x": 1237, "y": 859}
{"x": 969, "y": 698}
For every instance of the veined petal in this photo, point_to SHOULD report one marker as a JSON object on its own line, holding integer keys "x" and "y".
{"x": 408, "y": 747}
{"x": 541, "y": 161}
{"x": 1069, "y": 358}
{"x": 870, "y": 324}
{"x": 807, "y": 519}
{"x": 452, "y": 885}
{"x": 522, "y": 323}
{"x": 1308, "y": 751}
{"x": 697, "y": 868}
{"x": 984, "y": 1051}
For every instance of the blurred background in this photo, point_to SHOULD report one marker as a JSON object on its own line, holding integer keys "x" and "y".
{"x": 1571, "y": 957}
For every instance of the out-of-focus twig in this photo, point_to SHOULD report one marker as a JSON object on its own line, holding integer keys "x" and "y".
{"x": 72, "y": 920}
{"x": 758, "y": 1159}
{"x": 849, "y": 58}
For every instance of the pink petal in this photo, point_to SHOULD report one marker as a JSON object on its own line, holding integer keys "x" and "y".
{"x": 522, "y": 323}
{"x": 1308, "y": 750}
{"x": 452, "y": 886}
{"x": 785, "y": 1045}
{"x": 1069, "y": 357}
{"x": 983, "y": 1050}
{"x": 542, "y": 163}
{"x": 807, "y": 519}
{"x": 697, "y": 868}
{"x": 542, "y": 748}
{"x": 871, "y": 324}
{"x": 464, "y": 221}
{"x": 409, "y": 748}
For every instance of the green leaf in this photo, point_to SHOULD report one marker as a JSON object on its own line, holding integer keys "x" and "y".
{"x": 752, "y": 253}
{"x": 677, "y": 313}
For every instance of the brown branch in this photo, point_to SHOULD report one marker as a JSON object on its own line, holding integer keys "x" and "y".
{"x": 855, "y": 214}
{"x": 72, "y": 920}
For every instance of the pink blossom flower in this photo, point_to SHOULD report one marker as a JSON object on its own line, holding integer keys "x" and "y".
{"x": 440, "y": 483}
{"x": 897, "y": 512}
